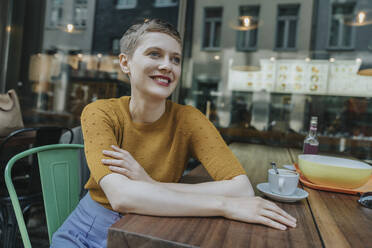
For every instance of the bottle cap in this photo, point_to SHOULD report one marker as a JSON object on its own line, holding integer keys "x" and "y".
{"x": 314, "y": 121}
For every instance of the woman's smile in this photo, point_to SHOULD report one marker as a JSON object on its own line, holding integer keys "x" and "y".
{"x": 162, "y": 80}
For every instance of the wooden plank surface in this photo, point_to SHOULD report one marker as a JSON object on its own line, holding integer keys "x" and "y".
{"x": 256, "y": 161}
{"x": 20, "y": 138}
{"x": 342, "y": 222}
{"x": 147, "y": 231}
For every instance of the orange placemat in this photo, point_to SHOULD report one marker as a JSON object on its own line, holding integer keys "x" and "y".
{"x": 365, "y": 188}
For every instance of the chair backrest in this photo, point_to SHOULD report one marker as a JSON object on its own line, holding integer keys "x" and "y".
{"x": 44, "y": 135}
{"x": 59, "y": 174}
{"x": 84, "y": 169}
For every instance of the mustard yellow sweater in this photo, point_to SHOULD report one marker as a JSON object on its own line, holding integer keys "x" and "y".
{"x": 162, "y": 147}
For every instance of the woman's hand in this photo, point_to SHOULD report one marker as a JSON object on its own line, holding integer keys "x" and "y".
{"x": 123, "y": 163}
{"x": 257, "y": 210}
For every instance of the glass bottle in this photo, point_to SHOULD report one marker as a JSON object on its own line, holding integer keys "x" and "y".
{"x": 311, "y": 142}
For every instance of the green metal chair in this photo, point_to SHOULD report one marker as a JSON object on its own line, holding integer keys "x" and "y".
{"x": 59, "y": 174}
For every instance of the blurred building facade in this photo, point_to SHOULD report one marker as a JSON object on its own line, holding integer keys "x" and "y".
{"x": 333, "y": 38}
{"x": 112, "y": 19}
{"x": 69, "y": 25}
{"x": 246, "y": 47}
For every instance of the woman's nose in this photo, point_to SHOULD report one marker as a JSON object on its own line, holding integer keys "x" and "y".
{"x": 165, "y": 65}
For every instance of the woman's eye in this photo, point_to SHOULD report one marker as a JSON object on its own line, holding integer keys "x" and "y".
{"x": 176, "y": 60}
{"x": 154, "y": 54}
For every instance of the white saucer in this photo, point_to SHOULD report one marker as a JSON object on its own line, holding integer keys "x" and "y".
{"x": 289, "y": 167}
{"x": 299, "y": 194}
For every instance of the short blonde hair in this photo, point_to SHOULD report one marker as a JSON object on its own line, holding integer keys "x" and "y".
{"x": 133, "y": 35}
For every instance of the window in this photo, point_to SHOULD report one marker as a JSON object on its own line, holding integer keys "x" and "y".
{"x": 286, "y": 29}
{"x": 116, "y": 46}
{"x": 126, "y": 4}
{"x": 165, "y": 3}
{"x": 247, "y": 39}
{"x": 341, "y": 34}
{"x": 56, "y": 13}
{"x": 81, "y": 13}
{"x": 212, "y": 28}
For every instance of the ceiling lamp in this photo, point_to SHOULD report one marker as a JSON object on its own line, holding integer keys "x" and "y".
{"x": 362, "y": 15}
{"x": 69, "y": 28}
{"x": 361, "y": 18}
{"x": 245, "y": 23}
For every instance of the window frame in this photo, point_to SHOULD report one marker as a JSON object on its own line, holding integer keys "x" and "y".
{"x": 76, "y": 5}
{"x": 112, "y": 45}
{"x": 165, "y": 4}
{"x": 287, "y": 20}
{"x": 126, "y": 5}
{"x": 214, "y": 19}
{"x": 339, "y": 38}
{"x": 247, "y": 33}
{"x": 53, "y": 6}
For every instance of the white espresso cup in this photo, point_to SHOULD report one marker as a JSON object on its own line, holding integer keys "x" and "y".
{"x": 284, "y": 183}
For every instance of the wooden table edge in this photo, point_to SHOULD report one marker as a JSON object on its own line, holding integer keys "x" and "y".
{"x": 165, "y": 241}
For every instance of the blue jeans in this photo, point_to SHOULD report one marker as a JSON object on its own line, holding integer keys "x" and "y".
{"x": 87, "y": 226}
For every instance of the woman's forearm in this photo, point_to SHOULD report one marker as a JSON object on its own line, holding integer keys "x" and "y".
{"x": 128, "y": 196}
{"x": 238, "y": 186}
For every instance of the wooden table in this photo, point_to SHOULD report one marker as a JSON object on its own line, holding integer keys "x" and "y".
{"x": 20, "y": 138}
{"x": 325, "y": 219}
{"x": 13, "y": 146}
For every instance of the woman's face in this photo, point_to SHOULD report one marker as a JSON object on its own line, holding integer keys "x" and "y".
{"x": 155, "y": 66}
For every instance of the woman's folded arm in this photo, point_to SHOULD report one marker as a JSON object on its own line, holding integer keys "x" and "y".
{"x": 122, "y": 162}
{"x": 129, "y": 196}
{"x": 237, "y": 186}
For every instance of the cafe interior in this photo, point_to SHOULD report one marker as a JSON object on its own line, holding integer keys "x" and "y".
{"x": 269, "y": 74}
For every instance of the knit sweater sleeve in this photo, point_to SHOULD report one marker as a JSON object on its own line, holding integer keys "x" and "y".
{"x": 98, "y": 126}
{"x": 207, "y": 145}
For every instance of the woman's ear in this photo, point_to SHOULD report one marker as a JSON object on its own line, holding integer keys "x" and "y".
{"x": 123, "y": 58}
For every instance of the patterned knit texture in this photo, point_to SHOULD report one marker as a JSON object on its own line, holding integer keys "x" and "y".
{"x": 162, "y": 148}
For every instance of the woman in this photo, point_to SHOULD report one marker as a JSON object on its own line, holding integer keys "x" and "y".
{"x": 146, "y": 141}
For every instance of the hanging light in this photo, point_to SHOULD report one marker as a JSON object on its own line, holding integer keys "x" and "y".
{"x": 245, "y": 23}
{"x": 361, "y": 17}
{"x": 70, "y": 28}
